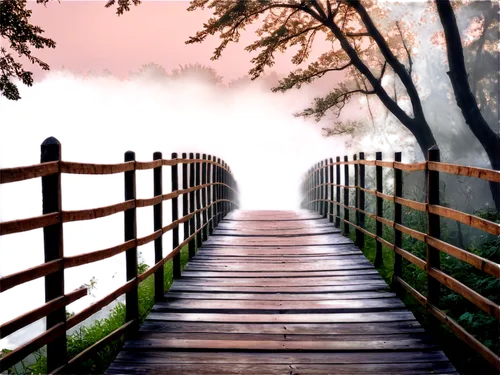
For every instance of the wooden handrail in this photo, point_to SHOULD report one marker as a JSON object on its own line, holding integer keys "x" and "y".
{"x": 316, "y": 198}
{"x": 217, "y": 178}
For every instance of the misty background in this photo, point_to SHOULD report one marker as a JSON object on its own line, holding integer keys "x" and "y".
{"x": 99, "y": 106}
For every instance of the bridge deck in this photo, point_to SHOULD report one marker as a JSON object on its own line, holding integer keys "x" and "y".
{"x": 280, "y": 292}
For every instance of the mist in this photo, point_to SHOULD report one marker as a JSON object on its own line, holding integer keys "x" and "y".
{"x": 97, "y": 119}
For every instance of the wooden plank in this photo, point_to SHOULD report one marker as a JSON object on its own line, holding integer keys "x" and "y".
{"x": 156, "y": 339}
{"x": 297, "y": 357}
{"x": 461, "y": 170}
{"x": 282, "y": 289}
{"x": 268, "y": 285}
{"x": 278, "y": 296}
{"x": 189, "y": 273}
{"x": 25, "y": 173}
{"x": 23, "y": 225}
{"x": 306, "y": 329}
{"x": 281, "y": 369}
{"x": 280, "y": 306}
{"x": 347, "y": 345}
{"x": 369, "y": 317}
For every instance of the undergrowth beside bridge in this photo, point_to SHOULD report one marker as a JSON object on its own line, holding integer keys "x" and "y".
{"x": 483, "y": 326}
{"x": 87, "y": 335}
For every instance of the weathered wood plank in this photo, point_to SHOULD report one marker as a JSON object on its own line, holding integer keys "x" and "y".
{"x": 304, "y": 358}
{"x": 280, "y": 292}
{"x": 279, "y": 296}
{"x": 293, "y": 328}
{"x": 284, "y": 369}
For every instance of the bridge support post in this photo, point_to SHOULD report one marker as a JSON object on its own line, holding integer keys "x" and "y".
{"x": 185, "y": 196}
{"x": 218, "y": 175}
{"x": 360, "y": 241}
{"x": 330, "y": 181}
{"x": 379, "y": 210}
{"x": 433, "y": 230}
{"x": 337, "y": 200}
{"x": 317, "y": 196}
{"x": 210, "y": 198}
{"x": 131, "y": 298}
{"x": 398, "y": 239}
{"x": 158, "y": 224}
{"x": 53, "y": 249}
{"x": 356, "y": 197}
{"x": 192, "y": 207}
{"x": 204, "y": 193}
{"x": 176, "y": 261}
{"x": 325, "y": 189}
{"x": 346, "y": 195}
{"x": 197, "y": 166}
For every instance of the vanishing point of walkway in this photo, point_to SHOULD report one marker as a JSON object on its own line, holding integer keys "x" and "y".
{"x": 280, "y": 292}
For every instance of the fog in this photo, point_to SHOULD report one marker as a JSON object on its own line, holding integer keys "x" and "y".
{"x": 97, "y": 119}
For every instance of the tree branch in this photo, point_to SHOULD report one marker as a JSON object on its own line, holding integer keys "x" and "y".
{"x": 353, "y": 35}
{"x": 295, "y": 80}
{"x": 396, "y": 66}
{"x": 410, "y": 62}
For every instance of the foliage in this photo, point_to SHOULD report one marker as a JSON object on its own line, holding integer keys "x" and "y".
{"x": 481, "y": 325}
{"x": 197, "y": 71}
{"x": 20, "y": 36}
{"x": 150, "y": 71}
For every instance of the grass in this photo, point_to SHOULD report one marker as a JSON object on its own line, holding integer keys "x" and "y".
{"x": 86, "y": 336}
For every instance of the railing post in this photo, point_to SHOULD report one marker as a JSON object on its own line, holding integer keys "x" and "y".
{"x": 398, "y": 240}
{"x": 356, "y": 196}
{"x": 433, "y": 227}
{"x": 361, "y": 204}
{"x": 186, "y": 226}
{"x": 224, "y": 188}
{"x": 330, "y": 181}
{"x": 337, "y": 200}
{"x": 211, "y": 194}
{"x": 198, "y": 201}
{"x": 176, "y": 261}
{"x": 53, "y": 249}
{"x": 158, "y": 224}
{"x": 320, "y": 190}
{"x": 379, "y": 210}
{"x": 192, "y": 207}
{"x": 219, "y": 192}
{"x": 346, "y": 195}
{"x": 204, "y": 198}
{"x": 316, "y": 188}
{"x": 216, "y": 192}
{"x": 131, "y": 298}
{"x": 325, "y": 189}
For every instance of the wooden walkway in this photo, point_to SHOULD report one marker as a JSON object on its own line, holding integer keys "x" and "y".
{"x": 280, "y": 292}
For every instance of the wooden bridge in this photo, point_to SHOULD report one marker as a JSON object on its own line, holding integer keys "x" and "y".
{"x": 280, "y": 292}
{"x": 267, "y": 292}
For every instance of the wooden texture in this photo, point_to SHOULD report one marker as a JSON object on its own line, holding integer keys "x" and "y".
{"x": 279, "y": 292}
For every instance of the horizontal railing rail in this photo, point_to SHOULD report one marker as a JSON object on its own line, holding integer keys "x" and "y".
{"x": 209, "y": 191}
{"x": 321, "y": 191}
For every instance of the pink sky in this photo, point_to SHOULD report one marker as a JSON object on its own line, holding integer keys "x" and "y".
{"x": 90, "y": 36}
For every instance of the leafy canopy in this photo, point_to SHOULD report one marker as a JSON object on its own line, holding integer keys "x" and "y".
{"x": 20, "y": 35}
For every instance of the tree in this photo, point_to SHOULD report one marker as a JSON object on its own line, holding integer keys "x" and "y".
{"x": 20, "y": 35}
{"x": 197, "y": 71}
{"x": 345, "y": 24}
{"x": 150, "y": 72}
{"x": 489, "y": 139}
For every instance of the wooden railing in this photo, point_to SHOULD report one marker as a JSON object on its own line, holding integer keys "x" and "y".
{"x": 209, "y": 192}
{"x": 319, "y": 195}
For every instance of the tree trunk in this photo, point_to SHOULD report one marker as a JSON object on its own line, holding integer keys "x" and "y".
{"x": 463, "y": 94}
